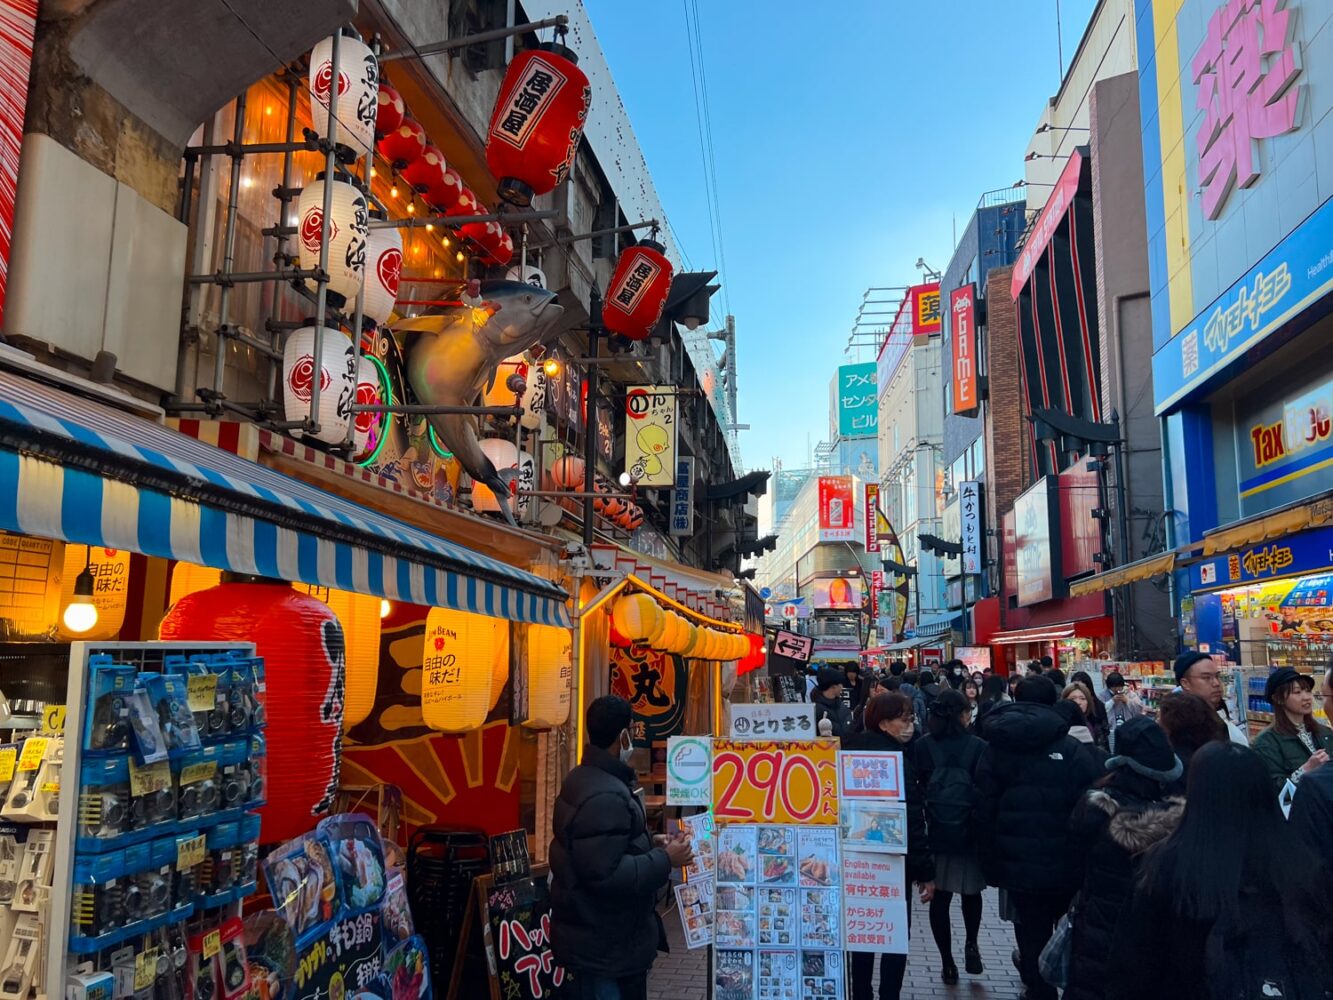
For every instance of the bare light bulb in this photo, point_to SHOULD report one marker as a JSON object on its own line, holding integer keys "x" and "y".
{"x": 81, "y": 614}
{"x": 386, "y": 606}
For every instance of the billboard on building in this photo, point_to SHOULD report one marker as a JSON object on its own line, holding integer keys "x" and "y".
{"x": 855, "y": 401}
{"x": 837, "y": 514}
{"x": 840, "y": 592}
{"x": 925, "y": 305}
{"x": 1037, "y": 543}
{"x": 871, "y": 519}
{"x": 965, "y": 378}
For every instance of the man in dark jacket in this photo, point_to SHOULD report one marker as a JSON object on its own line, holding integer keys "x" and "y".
{"x": 925, "y": 695}
{"x": 1028, "y": 780}
{"x": 606, "y": 870}
{"x": 828, "y": 701}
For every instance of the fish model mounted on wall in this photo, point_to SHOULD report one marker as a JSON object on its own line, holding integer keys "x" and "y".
{"x": 451, "y": 354}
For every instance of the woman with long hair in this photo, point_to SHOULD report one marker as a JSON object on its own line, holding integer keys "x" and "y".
{"x": 1294, "y": 744}
{"x": 1190, "y": 724}
{"x": 890, "y": 725}
{"x": 1082, "y": 696}
{"x": 948, "y": 753}
{"x": 972, "y": 692}
{"x": 1098, "y": 707}
{"x": 1224, "y": 908}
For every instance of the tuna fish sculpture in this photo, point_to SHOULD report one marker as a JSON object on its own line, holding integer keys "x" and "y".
{"x": 451, "y": 354}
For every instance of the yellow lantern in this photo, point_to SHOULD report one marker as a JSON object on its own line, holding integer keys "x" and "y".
{"x": 690, "y": 638}
{"x": 681, "y": 633}
{"x": 550, "y": 672}
{"x": 359, "y": 616}
{"x": 739, "y": 647}
{"x": 637, "y": 617}
{"x": 187, "y": 578}
{"x": 707, "y": 643}
{"x": 110, "y": 572}
{"x": 500, "y": 664}
{"x": 457, "y": 670}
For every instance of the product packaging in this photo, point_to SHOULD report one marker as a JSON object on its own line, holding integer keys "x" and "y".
{"x": 98, "y": 909}
{"x": 235, "y": 971}
{"x": 257, "y": 764}
{"x": 170, "y": 696}
{"x": 90, "y": 986}
{"x": 107, "y": 725}
{"x": 303, "y": 885}
{"x": 147, "y": 741}
{"x": 34, "y": 875}
{"x": 200, "y": 790}
{"x": 20, "y": 961}
{"x": 270, "y": 948}
{"x": 105, "y": 811}
{"x": 34, "y": 794}
{"x": 358, "y": 853}
{"x": 234, "y": 781}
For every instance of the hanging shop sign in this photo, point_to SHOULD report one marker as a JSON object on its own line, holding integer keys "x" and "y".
{"x": 792, "y": 645}
{"x": 654, "y": 683}
{"x": 836, "y": 510}
{"x": 965, "y": 378}
{"x": 925, "y": 301}
{"x": 772, "y": 722}
{"x": 682, "y": 498}
{"x": 650, "y": 434}
{"x": 689, "y": 770}
{"x": 855, "y": 401}
{"x": 971, "y": 515}
{"x": 775, "y": 782}
{"x": 871, "y": 517}
{"x": 1292, "y": 555}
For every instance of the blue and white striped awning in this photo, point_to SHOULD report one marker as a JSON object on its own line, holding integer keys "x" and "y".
{"x": 78, "y": 471}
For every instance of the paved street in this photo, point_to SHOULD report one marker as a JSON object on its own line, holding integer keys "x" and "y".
{"x": 683, "y": 974}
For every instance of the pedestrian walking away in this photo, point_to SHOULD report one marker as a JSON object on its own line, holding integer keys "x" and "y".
{"x": 1190, "y": 724}
{"x": 890, "y": 726}
{"x": 946, "y": 760}
{"x": 606, "y": 871}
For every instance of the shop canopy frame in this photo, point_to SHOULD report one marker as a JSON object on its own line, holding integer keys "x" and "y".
{"x": 81, "y": 472}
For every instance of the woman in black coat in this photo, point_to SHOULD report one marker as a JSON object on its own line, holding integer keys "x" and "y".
{"x": 890, "y": 725}
{"x": 1123, "y": 815}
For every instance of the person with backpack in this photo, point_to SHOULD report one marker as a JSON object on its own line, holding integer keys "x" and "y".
{"x": 1225, "y": 907}
{"x": 927, "y": 691}
{"x": 946, "y": 762}
{"x": 1117, "y": 820}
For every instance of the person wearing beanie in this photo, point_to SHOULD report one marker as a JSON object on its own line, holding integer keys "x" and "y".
{"x": 1294, "y": 745}
{"x": 828, "y": 701}
{"x": 1125, "y": 813}
{"x": 1030, "y": 775}
{"x": 1198, "y": 673}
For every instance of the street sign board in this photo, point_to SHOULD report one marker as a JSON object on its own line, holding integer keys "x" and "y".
{"x": 792, "y": 645}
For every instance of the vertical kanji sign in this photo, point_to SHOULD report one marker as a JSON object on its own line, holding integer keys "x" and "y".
{"x": 871, "y": 540}
{"x": 970, "y": 512}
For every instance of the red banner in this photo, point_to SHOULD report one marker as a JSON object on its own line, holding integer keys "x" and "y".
{"x": 18, "y": 19}
{"x": 836, "y": 511}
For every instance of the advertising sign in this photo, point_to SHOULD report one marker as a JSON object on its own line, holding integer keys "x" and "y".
{"x": 1306, "y": 552}
{"x": 520, "y": 925}
{"x": 856, "y": 401}
{"x": 1033, "y": 542}
{"x": 871, "y": 517}
{"x": 839, "y": 592}
{"x": 975, "y": 658}
{"x": 836, "y": 510}
{"x": 1284, "y": 441}
{"x": 965, "y": 377}
{"x": 772, "y": 722}
{"x": 689, "y": 770}
{"x": 925, "y": 301}
{"x": 345, "y": 956}
{"x": 874, "y": 901}
{"x": 682, "y": 498}
{"x": 972, "y": 517}
{"x": 650, "y": 434}
{"x": 654, "y": 684}
{"x": 792, "y": 645}
{"x": 775, "y": 782}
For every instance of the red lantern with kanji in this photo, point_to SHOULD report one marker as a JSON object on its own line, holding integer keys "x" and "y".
{"x": 537, "y": 122}
{"x": 404, "y": 144}
{"x": 638, "y": 291}
{"x": 305, "y": 661}
{"x": 390, "y": 111}
{"x": 425, "y": 171}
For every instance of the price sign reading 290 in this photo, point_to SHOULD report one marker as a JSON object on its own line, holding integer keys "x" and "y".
{"x": 775, "y": 782}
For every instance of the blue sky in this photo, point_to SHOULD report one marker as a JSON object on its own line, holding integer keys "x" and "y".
{"x": 848, "y": 137}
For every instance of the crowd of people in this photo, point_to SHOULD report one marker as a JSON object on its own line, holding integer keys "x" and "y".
{"x": 1136, "y": 856}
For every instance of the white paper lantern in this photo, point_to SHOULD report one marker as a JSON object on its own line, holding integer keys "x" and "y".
{"x": 515, "y": 467}
{"x": 358, "y": 91}
{"x": 370, "y": 429}
{"x": 337, "y": 380}
{"x": 534, "y": 398}
{"x": 384, "y": 259}
{"x": 349, "y": 234}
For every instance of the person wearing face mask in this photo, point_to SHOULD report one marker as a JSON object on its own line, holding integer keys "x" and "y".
{"x": 890, "y": 725}
{"x": 606, "y": 871}
{"x": 1294, "y": 745}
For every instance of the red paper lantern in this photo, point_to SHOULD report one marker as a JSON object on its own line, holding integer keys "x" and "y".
{"x": 537, "y": 122}
{"x": 632, "y": 518}
{"x": 425, "y": 171}
{"x": 391, "y": 110}
{"x": 755, "y": 658}
{"x": 404, "y": 144}
{"x": 305, "y": 660}
{"x": 502, "y": 252}
{"x": 467, "y": 204}
{"x": 638, "y": 291}
{"x": 446, "y": 194}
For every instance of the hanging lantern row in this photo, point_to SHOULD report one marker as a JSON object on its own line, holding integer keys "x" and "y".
{"x": 617, "y": 510}
{"x": 638, "y": 618}
{"x": 637, "y": 293}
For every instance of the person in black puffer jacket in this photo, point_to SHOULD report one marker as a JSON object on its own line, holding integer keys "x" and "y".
{"x": 1123, "y": 815}
{"x": 606, "y": 870}
{"x": 1028, "y": 780}
{"x": 829, "y": 682}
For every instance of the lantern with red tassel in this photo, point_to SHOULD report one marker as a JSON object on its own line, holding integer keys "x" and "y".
{"x": 305, "y": 660}
{"x": 405, "y": 143}
{"x": 537, "y": 122}
{"x": 638, "y": 291}
{"x": 390, "y": 111}
{"x": 426, "y": 170}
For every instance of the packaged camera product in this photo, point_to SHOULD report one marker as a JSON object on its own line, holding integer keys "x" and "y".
{"x": 165, "y": 860}
{"x": 98, "y": 906}
{"x": 199, "y": 781}
{"x": 235, "y": 970}
{"x": 147, "y": 888}
{"x": 12, "y": 847}
{"x": 234, "y": 780}
{"x": 220, "y": 870}
{"x": 152, "y": 796}
{"x": 107, "y": 727}
{"x": 358, "y": 855}
{"x": 104, "y": 802}
{"x": 147, "y": 741}
{"x": 257, "y": 764}
{"x": 303, "y": 885}
{"x": 170, "y": 696}
{"x": 200, "y": 691}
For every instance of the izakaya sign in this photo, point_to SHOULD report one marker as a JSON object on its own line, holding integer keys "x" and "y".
{"x": 650, "y": 434}
{"x": 969, "y": 499}
{"x": 775, "y": 782}
{"x": 871, "y": 540}
{"x": 963, "y": 340}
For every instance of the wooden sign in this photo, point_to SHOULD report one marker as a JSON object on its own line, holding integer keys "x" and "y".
{"x": 775, "y": 782}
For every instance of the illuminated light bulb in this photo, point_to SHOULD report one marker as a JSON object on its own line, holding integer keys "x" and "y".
{"x": 446, "y": 242}
{"x": 386, "y": 606}
{"x": 268, "y": 109}
{"x": 393, "y": 190}
{"x": 412, "y": 208}
{"x": 439, "y": 273}
{"x": 81, "y": 614}
{"x": 373, "y": 173}
{"x": 460, "y": 256}
{"x": 419, "y": 250}
{"x": 246, "y": 182}
{"x": 551, "y": 366}
{"x": 430, "y": 227}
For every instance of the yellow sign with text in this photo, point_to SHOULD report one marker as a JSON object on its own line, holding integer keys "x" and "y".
{"x": 786, "y": 781}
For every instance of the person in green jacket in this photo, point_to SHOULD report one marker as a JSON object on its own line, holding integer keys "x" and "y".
{"x": 1294, "y": 744}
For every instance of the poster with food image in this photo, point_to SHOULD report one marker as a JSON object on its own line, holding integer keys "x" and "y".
{"x": 778, "y": 918}
{"x": 779, "y": 975}
{"x": 733, "y": 897}
{"x": 821, "y": 975}
{"x": 817, "y": 857}
{"x": 734, "y": 928}
{"x": 870, "y": 775}
{"x": 694, "y": 901}
{"x": 701, "y": 831}
{"x": 736, "y": 854}
{"x": 821, "y": 918}
{"x": 867, "y": 825}
{"x": 733, "y": 974}
{"x": 777, "y": 855}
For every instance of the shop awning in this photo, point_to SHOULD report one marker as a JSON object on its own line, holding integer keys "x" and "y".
{"x": 937, "y": 627}
{"x": 1085, "y": 628}
{"x": 894, "y": 647}
{"x": 1140, "y": 569}
{"x": 78, "y": 471}
{"x": 1307, "y": 514}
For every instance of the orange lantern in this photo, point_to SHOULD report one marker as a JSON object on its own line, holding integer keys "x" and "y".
{"x": 550, "y": 673}
{"x": 567, "y": 473}
{"x": 637, "y": 617}
{"x": 457, "y": 669}
{"x": 187, "y": 578}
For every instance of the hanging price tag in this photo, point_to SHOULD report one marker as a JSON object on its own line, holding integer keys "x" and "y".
{"x": 145, "y": 969}
{"x": 190, "y": 851}
{"x": 150, "y": 778}
{"x": 212, "y": 944}
{"x": 53, "y": 720}
{"x": 200, "y": 692}
{"x": 34, "y": 749}
{"x": 8, "y": 758}
{"x": 192, "y": 773}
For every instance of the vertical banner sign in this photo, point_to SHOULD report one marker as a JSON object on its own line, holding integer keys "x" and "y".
{"x": 925, "y": 308}
{"x": 18, "y": 20}
{"x": 871, "y": 517}
{"x": 963, "y": 338}
{"x": 650, "y": 434}
{"x": 970, "y": 512}
{"x": 857, "y": 402}
{"x": 836, "y": 511}
{"x": 682, "y": 498}
{"x": 654, "y": 683}
{"x": 872, "y": 828}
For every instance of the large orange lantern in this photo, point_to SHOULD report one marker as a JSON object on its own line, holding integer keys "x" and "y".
{"x": 110, "y": 572}
{"x": 637, "y": 617}
{"x": 359, "y": 615}
{"x": 537, "y": 122}
{"x": 305, "y": 660}
{"x": 638, "y": 291}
